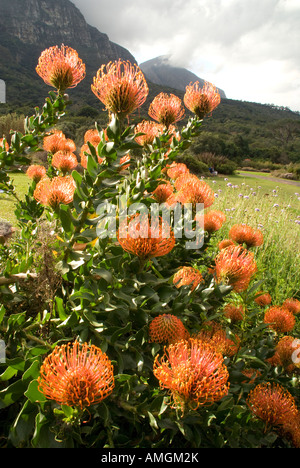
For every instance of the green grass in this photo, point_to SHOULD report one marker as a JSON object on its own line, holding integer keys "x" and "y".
{"x": 273, "y": 207}
{"x": 7, "y": 203}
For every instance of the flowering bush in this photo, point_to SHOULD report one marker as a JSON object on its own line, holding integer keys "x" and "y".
{"x": 123, "y": 324}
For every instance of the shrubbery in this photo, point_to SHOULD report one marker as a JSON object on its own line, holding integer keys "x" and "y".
{"x": 126, "y": 341}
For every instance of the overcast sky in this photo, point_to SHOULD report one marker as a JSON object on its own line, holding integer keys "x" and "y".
{"x": 248, "y": 48}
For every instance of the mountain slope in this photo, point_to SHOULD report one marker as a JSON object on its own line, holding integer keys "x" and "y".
{"x": 159, "y": 70}
{"x": 27, "y": 27}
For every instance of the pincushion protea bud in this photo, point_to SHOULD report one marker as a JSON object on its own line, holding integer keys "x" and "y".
{"x": 121, "y": 87}
{"x": 243, "y": 234}
{"x": 61, "y": 67}
{"x": 138, "y": 235}
{"x": 194, "y": 372}
{"x": 166, "y": 109}
{"x": 36, "y": 172}
{"x": 76, "y": 375}
{"x": 263, "y": 299}
{"x": 167, "y": 328}
{"x": 201, "y": 101}
{"x": 187, "y": 276}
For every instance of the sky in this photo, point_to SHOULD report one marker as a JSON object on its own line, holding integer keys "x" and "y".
{"x": 248, "y": 48}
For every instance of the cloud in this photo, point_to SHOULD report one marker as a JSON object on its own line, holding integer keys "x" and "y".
{"x": 249, "y": 48}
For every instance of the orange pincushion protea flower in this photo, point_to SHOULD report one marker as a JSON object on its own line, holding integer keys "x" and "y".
{"x": 57, "y": 141}
{"x": 283, "y": 355}
{"x": 36, "y": 172}
{"x": 163, "y": 191}
{"x": 213, "y": 333}
{"x": 201, "y": 101}
{"x": 64, "y": 161}
{"x": 187, "y": 276}
{"x": 280, "y": 319}
{"x": 145, "y": 239}
{"x": 167, "y": 328}
{"x": 194, "y": 372}
{"x": 185, "y": 177}
{"x": 212, "y": 220}
{"x": 234, "y": 312}
{"x": 234, "y": 266}
{"x": 243, "y": 234}
{"x": 61, "y": 67}
{"x": 166, "y": 109}
{"x": 263, "y": 299}
{"x": 176, "y": 170}
{"x": 53, "y": 192}
{"x": 121, "y": 87}
{"x": 92, "y": 135}
{"x": 196, "y": 191}
{"x": 76, "y": 375}
{"x": 293, "y": 305}
{"x": 150, "y": 129}
{"x": 272, "y": 403}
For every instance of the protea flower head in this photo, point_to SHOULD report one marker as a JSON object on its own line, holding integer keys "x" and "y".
{"x": 279, "y": 319}
{"x": 36, "y": 172}
{"x": 166, "y": 109}
{"x": 196, "y": 191}
{"x": 145, "y": 239}
{"x": 121, "y": 87}
{"x": 201, "y": 101}
{"x": 61, "y": 67}
{"x": 263, "y": 299}
{"x": 292, "y": 304}
{"x": 167, "y": 328}
{"x": 187, "y": 276}
{"x": 194, "y": 372}
{"x": 57, "y": 141}
{"x": 163, "y": 191}
{"x": 77, "y": 375}
{"x": 176, "y": 170}
{"x": 272, "y": 403}
{"x": 235, "y": 266}
{"x": 244, "y": 234}
{"x": 150, "y": 131}
{"x": 212, "y": 220}
{"x": 213, "y": 333}
{"x": 56, "y": 191}
{"x": 64, "y": 161}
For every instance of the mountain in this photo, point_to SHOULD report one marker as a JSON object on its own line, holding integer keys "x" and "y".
{"x": 27, "y": 27}
{"x": 160, "y": 70}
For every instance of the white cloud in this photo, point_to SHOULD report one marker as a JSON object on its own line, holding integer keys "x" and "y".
{"x": 249, "y": 48}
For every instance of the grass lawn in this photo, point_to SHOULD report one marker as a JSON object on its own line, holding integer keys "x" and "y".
{"x": 7, "y": 203}
{"x": 274, "y": 208}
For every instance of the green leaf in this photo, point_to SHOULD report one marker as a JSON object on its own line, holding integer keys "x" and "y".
{"x": 33, "y": 394}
